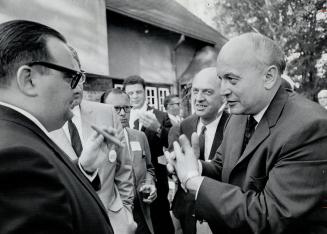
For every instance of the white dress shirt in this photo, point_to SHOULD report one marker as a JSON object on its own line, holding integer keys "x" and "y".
{"x": 209, "y": 135}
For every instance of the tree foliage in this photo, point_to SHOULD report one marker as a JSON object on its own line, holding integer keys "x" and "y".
{"x": 299, "y": 26}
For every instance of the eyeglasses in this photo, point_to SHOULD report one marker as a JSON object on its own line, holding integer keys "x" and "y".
{"x": 174, "y": 103}
{"x": 77, "y": 77}
{"x": 126, "y": 109}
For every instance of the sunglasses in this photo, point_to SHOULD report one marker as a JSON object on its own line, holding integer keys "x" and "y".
{"x": 127, "y": 109}
{"x": 77, "y": 77}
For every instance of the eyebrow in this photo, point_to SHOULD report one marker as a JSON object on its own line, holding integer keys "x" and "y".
{"x": 230, "y": 74}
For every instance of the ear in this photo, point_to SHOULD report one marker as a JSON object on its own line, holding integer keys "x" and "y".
{"x": 25, "y": 81}
{"x": 271, "y": 77}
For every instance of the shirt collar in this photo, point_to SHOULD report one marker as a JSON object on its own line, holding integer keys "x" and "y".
{"x": 213, "y": 124}
{"x": 27, "y": 115}
{"x": 259, "y": 116}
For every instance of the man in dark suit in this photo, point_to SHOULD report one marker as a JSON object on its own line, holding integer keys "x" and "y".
{"x": 155, "y": 124}
{"x": 269, "y": 174}
{"x": 208, "y": 114}
{"x": 42, "y": 191}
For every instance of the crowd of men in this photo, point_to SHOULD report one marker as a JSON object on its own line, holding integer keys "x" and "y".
{"x": 251, "y": 159}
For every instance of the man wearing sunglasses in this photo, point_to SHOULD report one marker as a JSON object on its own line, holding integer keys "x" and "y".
{"x": 139, "y": 151}
{"x": 42, "y": 191}
{"x": 110, "y": 168}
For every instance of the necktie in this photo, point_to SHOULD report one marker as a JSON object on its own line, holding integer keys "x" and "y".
{"x": 75, "y": 138}
{"x": 137, "y": 124}
{"x": 249, "y": 130}
{"x": 202, "y": 142}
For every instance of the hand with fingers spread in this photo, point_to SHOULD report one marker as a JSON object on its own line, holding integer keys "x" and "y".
{"x": 90, "y": 158}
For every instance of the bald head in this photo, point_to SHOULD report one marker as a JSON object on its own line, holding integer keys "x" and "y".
{"x": 254, "y": 49}
{"x": 250, "y": 67}
{"x": 322, "y": 98}
{"x": 206, "y": 96}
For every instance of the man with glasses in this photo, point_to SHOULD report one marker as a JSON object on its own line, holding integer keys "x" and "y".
{"x": 172, "y": 105}
{"x": 139, "y": 151}
{"x": 111, "y": 177}
{"x": 42, "y": 191}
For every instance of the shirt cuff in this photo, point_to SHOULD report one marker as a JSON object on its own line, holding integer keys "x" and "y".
{"x": 89, "y": 176}
{"x": 200, "y": 167}
{"x": 197, "y": 191}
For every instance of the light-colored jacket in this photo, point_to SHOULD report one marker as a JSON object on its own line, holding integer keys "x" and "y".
{"x": 117, "y": 189}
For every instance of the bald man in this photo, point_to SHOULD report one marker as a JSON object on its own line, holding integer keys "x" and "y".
{"x": 322, "y": 98}
{"x": 270, "y": 172}
{"x": 208, "y": 115}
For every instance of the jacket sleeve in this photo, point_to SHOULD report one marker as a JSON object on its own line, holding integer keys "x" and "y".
{"x": 149, "y": 167}
{"x": 33, "y": 198}
{"x": 123, "y": 175}
{"x": 165, "y": 127}
{"x": 295, "y": 185}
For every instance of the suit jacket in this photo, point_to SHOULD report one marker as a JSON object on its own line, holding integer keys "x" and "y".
{"x": 142, "y": 167}
{"x": 42, "y": 191}
{"x": 156, "y": 144}
{"x": 161, "y": 220}
{"x": 117, "y": 189}
{"x": 279, "y": 183}
{"x": 183, "y": 203}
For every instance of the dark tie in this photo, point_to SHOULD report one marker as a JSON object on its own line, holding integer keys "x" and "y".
{"x": 202, "y": 142}
{"x": 137, "y": 124}
{"x": 249, "y": 130}
{"x": 74, "y": 137}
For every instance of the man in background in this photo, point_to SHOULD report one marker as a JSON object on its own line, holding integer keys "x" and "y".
{"x": 139, "y": 151}
{"x": 42, "y": 191}
{"x": 208, "y": 122}
{"x": 172, "y": 106}
{"x": 116, "y": 189}
{"x": 155, "y": 124}
{"x": 322, "y": 98}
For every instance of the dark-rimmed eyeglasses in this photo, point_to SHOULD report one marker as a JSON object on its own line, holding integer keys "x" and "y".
{"x": 174, "y": 103}
{"x": 77, "y": 77}
{"x": 126, "y": 109}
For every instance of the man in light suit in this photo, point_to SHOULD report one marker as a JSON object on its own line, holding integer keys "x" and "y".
{"x": 116, "y": 190}
{"x": 42, "y": 191}
{"x": 269, "y": 174}
{"x": 155, "y": 124}
{"x": 208, "y": 113}
{"x": 139, "y": 150}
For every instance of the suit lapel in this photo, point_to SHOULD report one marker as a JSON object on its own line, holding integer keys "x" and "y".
{"x": 188, "y": 131}
{"x": 86, "y": 119}
{"x": 60, "y": 138}
{"x": 218, "y": 135}
{"x": 262, "y": 131}
{"x": 260, "y": 134}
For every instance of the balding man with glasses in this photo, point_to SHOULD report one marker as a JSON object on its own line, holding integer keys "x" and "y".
{"x": 42, "y": 191}
{"x": 139, "y": 150}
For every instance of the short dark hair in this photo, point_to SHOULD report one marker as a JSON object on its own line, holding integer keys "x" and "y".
{"x": 21, "y": 42}
{"x": 168, "y": 99}
{"x": 131, "y": 80}
{"x": 109, "y": 91}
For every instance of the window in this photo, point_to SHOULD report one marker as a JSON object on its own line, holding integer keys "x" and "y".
{"x": 118, "y": 86}
{"x": 152, "y": 96}
{"x": 163, "y": 92}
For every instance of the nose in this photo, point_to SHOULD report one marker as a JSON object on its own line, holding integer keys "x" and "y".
{"x": 224, "y": 88}
{"x": 199, "y": 96}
